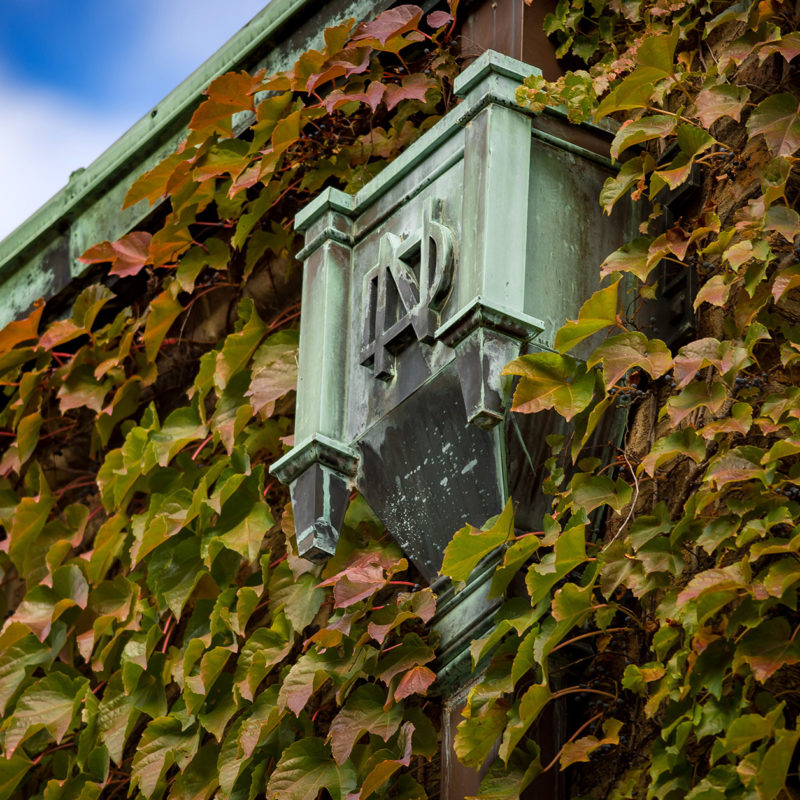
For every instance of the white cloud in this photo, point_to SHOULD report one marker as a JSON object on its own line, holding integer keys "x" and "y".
{"x": 43, "y": 138}
{"x": 46, "y": 134}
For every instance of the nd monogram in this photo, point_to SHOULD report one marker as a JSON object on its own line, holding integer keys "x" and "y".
{"x": 404, "y": 292}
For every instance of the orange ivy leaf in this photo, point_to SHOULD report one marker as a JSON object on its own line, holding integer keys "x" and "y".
{"x": 164, "y": 310}
{"x": 22, "y": 330}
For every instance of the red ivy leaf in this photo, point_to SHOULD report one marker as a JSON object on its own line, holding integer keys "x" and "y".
{"x": 416, "y": 681}
{"x": 438, "y": 19}
{"x": 720, "y": 101}
{"x": 777, "y": 119}
{"x": 788, "y": 46}
{"x": 127, "y": 255}
{"x": 413, "y": 87}
{"x": 391, "y": 23}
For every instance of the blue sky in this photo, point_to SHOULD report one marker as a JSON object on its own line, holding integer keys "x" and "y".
{"x": 76, "y": 74}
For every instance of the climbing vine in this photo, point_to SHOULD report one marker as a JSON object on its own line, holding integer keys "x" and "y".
{"x": 662, "y": 591}
{"x": 163, "y": 639}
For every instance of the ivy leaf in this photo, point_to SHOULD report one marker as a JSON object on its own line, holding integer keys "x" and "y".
{"x": 239, "y": 347}
{"x": 174, "y": 569}
{"x": 470, "y": 545}
{"x": 633, "y": 257}
{"x": 767, "y": 648}
{"x": 733, "y": 467}
{"x": 549, "y": 380}
{"x": 363, "y": 713}
{"x": 388, "y": 25}
{"x": 416, "y": 681}
{"x": 164, "y": 742}
{"x": 260, "y": 720}
{"x": 623, "y": 352}
{"x": 680, "y": 443}
{"x": 656, "y": 126}
{"x": 305, "y": 768}
{"x": 265, "y": 648}
{"x": 569, "y": 552}
{"x": 127, "y": 255}
{"x": 693, "y": 141}
{"x": 788, "y": 46}
{"x": 414, "y": 652}
{"x": 786, "y": 221}
{"x": 631, "y": 172}
{"x": 713, "y": 580}
{"x": 514, "y": 558}
{"x": 596, "y": 314}
{"x": 507, "y": 782}
{"x": 777, "y": 119}
{"x": 714, "y": 291}
{"x": 694, "y": 396}
{"x": 720, "y": 101}
{"x": 12, "y": 771}
{"x": 409, "y": 605}
{"x": 246, "y": 536}
{"x": 153, "y": 184}
{"x": 591, "y": 491}
{"x": 299, "y": 598}
{"x": 524, "y": 713}
{"x": 198, "y": 780}
{"x": 386, "y": 767}
{"x": 20, "y": 653}
{"x": 655, "y": 58}
{"x": 51, "y": 703}
{"x": 180, "y": 428}
{"x": 412, "y": 87}
{"x": 307, "y": 674}
{"x": 164, "y": 310}
{"x": 635, "y": 678}
{"x": 361, "y": 578}
{"x": 438, "y": 19}
{"x": 581, "y": 749}
{"x": 771, "y": 775}
{"x": 274, "y": 374}
{"x": 476, "y": 735}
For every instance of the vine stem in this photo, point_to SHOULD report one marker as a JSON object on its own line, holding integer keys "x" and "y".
{"x": 580, "y": 690}
{"x": 201, "y": 446}
{"x": 586, "y": 636}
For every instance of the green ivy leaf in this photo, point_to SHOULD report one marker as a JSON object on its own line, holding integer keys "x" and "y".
{"x": 681, "y": 443}
{"x": 164, "y": 742}
{"x": 363, "y": 713}
{"x": 12, "y": 771}
{"x": 623, "y": 352}
{"x": 51, "y": 703}
{"x": 771, "y": 775}
{"x": 655, "y": 126}
{"x": 470, "y": 545}
{"x": 553, "y": 381}
{"x": 305, "y": 768}
{"x": 596, "y": 314}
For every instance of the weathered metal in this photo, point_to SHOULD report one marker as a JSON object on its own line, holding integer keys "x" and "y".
{"x": 475, "y": 243}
